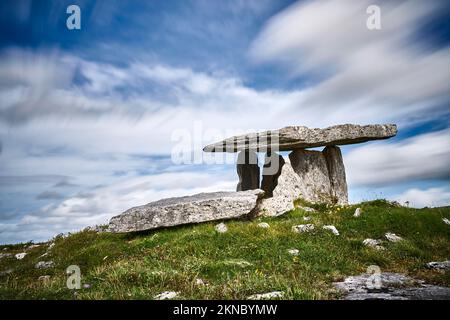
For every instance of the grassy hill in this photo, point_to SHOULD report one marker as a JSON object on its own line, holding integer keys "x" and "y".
{"x": 234, "y": 265}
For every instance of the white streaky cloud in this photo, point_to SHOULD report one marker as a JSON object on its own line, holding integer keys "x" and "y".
{"x": 419, "y": 198}
{"x": 388, "y": 71}
{"x": 421, "y": 157}
{"x": 99, "y": 205}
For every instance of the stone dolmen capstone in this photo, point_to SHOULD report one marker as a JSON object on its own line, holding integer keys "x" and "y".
{"x": 314, "y": 176}
{"x": 190, "y": 209}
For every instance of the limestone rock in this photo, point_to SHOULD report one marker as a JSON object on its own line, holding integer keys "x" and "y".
{"x": 265, "y": 296}
{"x": 311, "y": 168}
{"x": 166, "y": 295}
{"x": 301, "y": 228}
{"x": 294, "y": 252}
{"x": 373, "y": 243}
{"x": 184, "y": 210}
{"x": 248, "y": 171}
{"x": 286, "y": 190}
{"x": 336, "y": 174}
{"x": 273, "y": 165}
{"x": 393, "y": 286}
{"x": 221, "y": 228}
{"x": 44, "y": 264}
{"x": 5, "y": 255}
{"x": 296, "y": 137}
{"x": 332, "y": 229}
{"x": 392, "y": 237}
{"x": 20, "y": 256}
{"x": 446, "y": 221}
{"x": 439, "y": 265}
{"x": 263, "y": 225}
{"x": 357, "y": 212}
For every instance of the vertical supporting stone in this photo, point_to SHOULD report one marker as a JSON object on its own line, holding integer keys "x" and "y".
{"x": 247, "y": 170}
{"x": 273, "y": 163}
{"x": 311, "y": 167}
{"x": 336, "y": 172}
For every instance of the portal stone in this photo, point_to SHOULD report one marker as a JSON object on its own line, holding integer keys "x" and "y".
{"x": 248, "y": 171}
{"x": 311, "y": 167}
{"x": 336, "y": 172}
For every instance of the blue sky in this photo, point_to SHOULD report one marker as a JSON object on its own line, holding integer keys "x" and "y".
{"x": 87, "y": 117}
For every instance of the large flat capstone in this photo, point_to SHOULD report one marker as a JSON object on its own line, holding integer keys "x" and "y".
{"x": 299, "y": 137}
{"x": 190, "y": 209}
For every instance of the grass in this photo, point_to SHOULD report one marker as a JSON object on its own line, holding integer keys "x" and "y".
{"x": 236, "y": 264}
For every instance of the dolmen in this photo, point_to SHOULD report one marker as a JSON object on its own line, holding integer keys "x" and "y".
{"x": 312, "y": 175}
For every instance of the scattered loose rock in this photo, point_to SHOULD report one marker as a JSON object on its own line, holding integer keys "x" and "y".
{"x": 30, "y": 247}
{"x": 266, "y": 296}
{"x": 303, "y": 228}
{"x": 263, "y": 225}
{"x": 357, "y": 212}
{"x": 439, "y": 265}
{"x": 294, "y": 252}
{"x": 392, "y": 237}
{"x": 86, "y": 285}
{"x": 221, "y": 228}
{"x": 20, "y": 256}
{"x": 332, "y": 229}
{"x": 238, "y": 262}
{"x": 44, "y": 265}
{"x": 166, "y": 295}
{"x": 200, "y": 282}
{"x": 393, "y": 286}
{"x": 446, "y": 221}
{"x": 306, "y": 218}
{"x": 376, "y": 244}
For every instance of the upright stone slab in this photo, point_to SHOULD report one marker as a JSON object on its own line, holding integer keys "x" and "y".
{"x": 247, "y": 170}
{"x": 191, "y": 209}
{"x": 273, "y": 164}
{"x": 336, "y": 172}
{"x": 287, "y": 188}
{"x": 311, "y": 167}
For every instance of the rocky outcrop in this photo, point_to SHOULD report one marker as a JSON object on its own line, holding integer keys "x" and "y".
{"x": 299, "y": 137}
{"x": 390, "y": 286}
{"x": 248, "y": 171}
{"x": 184, "y": 210}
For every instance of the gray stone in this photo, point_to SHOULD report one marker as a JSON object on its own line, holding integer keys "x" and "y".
{"x": 20, "y": 256}
{"x": 44, "y": 265}
{"x": 392, "y": 237}
{"x": 392, "y": 286}
{"x": 263, "y": 225}
{"x": 286, "y": 190}
{"x": 301, "y": 228}
{"x": 266, "y": 296}
{"x": 439, "y": 265}
{"x": 297, "y": 137}
{"x": 373, "y": 243}
{"x": 190, "y": 209}
{"x": 166, "y": 295}
{"x": 357, "y": 212}
{"x": 221, "y": 228}
{"x": 273, "y": 165}
{"x": 311, "y": 168}
{"x": 248, "y": 171}
{"x": 336, "y": 173}
{"x": 332, "y": 229}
